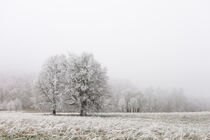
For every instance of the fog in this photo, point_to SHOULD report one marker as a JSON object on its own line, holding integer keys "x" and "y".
{"x": 150, "y": 43}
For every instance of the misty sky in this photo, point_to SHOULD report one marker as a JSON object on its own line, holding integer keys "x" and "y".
{"x": 150, "y": 42}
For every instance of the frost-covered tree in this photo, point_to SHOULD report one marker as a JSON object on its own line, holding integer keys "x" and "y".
{"x": 133, "y": 104}
{"x": 88, "y": 86}
{"x": 18, "y": 104}
{"x": 11, "y": 106}
{"x": 51, "y": 81}
{"x": 122, "y": 104}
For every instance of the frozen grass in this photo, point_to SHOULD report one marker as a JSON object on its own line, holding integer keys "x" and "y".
{"x": 148, "y": 126}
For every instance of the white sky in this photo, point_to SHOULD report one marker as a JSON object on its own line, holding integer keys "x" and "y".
{"x": 152, "y": 43}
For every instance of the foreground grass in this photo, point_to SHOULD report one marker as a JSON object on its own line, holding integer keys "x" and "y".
{"x": 147, "y": 126}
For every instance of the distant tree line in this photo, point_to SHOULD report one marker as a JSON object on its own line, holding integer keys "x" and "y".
{"x": 157, "y": 100}
{"x": 80, "y": 84}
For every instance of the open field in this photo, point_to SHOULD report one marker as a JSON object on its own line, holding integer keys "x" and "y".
{"x": 147, "y": 126}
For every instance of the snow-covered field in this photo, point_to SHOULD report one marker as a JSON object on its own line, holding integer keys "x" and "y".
{"x": 148, "y": 126}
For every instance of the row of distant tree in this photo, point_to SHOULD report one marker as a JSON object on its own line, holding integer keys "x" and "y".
{"x": 80, "y": 84}
{"x": 157, "y": 100}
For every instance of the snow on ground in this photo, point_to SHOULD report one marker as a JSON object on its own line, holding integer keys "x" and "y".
{"x": 145, "y": 126}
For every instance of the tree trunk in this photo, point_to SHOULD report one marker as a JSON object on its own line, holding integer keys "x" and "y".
{"x": 54, "y": 112}
{"x": 83, "y": 112}
{"x": 82, "y": 109}
{"x": 54, "y": 109}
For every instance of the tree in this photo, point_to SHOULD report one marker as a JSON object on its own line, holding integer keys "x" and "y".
{"x": 122, "y": 104}
{"x": 133, "y": 104}
{"x": 51, "y": 81}
{"x": 11, "y": 106}
{"x": 88, "y": 86}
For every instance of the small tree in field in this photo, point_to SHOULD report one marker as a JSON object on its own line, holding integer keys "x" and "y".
{"x": 88, "y": 83}
{"x": 51, "y": 81}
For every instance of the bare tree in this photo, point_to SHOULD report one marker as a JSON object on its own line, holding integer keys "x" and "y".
{"x": 51, "y": 81}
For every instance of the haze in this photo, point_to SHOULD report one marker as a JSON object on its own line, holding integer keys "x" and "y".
{"x": 151, "y": 43}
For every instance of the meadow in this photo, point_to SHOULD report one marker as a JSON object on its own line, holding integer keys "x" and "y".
{"x": 105, "y": 126}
